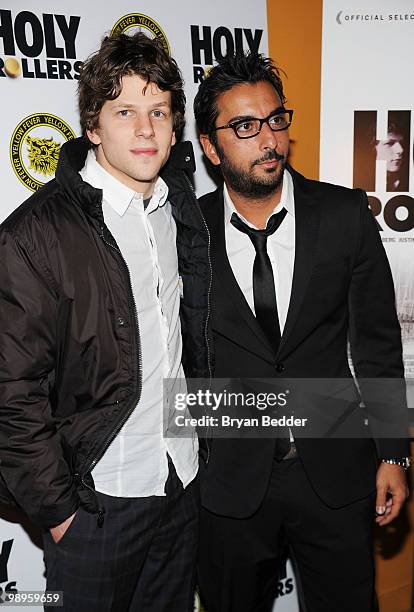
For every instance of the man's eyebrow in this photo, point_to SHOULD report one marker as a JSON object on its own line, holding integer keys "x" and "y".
{"x": 279, "y": 109}
{"x": 120, "y": 104}
{"x": 123, "y": 104}
{"x": 163, "y": 103}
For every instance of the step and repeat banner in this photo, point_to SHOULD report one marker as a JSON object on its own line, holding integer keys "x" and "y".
{"x": 42, "y": 47}
{"x": 367, "y": 96}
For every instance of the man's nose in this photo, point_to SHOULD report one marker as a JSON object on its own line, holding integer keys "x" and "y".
{"x": 397, "y": 148}
{"x": 268, "y": 138}
{"x": 143, "y": 126}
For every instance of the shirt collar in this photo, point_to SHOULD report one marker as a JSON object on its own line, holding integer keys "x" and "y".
{"x": 286, "y": 200}
{"x": 115, "y": 193}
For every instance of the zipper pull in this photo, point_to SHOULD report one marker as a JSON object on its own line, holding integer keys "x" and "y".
{"x": 101, "y": 517}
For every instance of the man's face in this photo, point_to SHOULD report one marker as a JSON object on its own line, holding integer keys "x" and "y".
{"x": 135, "y": 134}
{"x": 253, "y": 166}
{"x": 391, "y": 150}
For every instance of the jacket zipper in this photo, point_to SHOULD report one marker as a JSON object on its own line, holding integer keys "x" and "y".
{"x": 108, "y": 439}
{"x": 206, "y": 436}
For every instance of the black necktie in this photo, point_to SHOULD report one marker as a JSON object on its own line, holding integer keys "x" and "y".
{"x": 264, "y": 296}
{"x": 264, "y": 293}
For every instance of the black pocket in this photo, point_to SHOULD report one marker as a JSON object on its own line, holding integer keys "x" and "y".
{"x": 71, "y": 527}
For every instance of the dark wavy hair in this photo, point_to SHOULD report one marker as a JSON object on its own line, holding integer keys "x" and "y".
{"x": 121, "y": 55}
{"x": 230, "y": 71}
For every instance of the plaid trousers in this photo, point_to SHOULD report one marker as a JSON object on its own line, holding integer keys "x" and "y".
{"x": 142, "y": 559}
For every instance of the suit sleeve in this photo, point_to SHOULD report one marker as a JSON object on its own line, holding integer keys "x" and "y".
{"x": 375, "y": 339}
{"x": 31, "y": 456}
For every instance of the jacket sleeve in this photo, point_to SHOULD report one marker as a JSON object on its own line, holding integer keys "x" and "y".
{"x": 375, "y": 339}
{"x": 31, "y": 457}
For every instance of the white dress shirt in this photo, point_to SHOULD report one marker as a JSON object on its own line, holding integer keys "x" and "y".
{"x": 136, "y": 464}
{"x": 280, "y": 248}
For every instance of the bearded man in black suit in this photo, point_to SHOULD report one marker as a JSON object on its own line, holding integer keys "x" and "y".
{"x": 298, "y": 268}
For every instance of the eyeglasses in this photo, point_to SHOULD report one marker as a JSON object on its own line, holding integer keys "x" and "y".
{"x": 251, "y": 126}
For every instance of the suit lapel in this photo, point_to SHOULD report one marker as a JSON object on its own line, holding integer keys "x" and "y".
{"x": 227, "y": 291}
{"x": 307, "y": 220}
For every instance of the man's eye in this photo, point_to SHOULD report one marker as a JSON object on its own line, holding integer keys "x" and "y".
{"x": 278, "y": 120}
{"x": 158, "y": 114}
{"x": 246, "y": 126}
{"x": 124, "y": 112}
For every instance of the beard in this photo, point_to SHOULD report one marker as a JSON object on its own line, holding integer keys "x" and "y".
{"x": 246, "y": 183}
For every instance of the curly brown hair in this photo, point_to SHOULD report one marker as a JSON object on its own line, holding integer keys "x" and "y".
{"x": 120, "y": 55}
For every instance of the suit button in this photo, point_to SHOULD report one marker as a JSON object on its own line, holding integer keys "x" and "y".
{"x": 279, "y": 367}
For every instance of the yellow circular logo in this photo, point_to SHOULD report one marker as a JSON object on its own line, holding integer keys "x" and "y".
{"x": 35, "y": 147}
{"x": 142, "y": 23}
{"x": 12, "y": 67}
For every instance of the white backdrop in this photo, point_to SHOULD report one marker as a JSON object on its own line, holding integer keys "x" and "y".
{"x": 41, "y": 47}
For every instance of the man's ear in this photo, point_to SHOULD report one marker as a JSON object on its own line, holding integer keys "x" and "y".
{"x": 93, "y": 136}
{"x": 173, "y": 139}
{"x": 209, "y": 149}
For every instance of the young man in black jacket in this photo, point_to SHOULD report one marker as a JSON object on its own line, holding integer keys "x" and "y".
{"x": 90, "y": 288}
{"x": 298, "y": 267}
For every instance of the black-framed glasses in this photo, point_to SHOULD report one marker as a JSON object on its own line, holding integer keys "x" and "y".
{"x": 251, "y": 126}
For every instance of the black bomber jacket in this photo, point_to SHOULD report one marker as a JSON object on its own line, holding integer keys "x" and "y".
{"x": 70, "y": 361}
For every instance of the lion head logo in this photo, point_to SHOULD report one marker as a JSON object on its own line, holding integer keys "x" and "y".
{"x": 43, "y": 155}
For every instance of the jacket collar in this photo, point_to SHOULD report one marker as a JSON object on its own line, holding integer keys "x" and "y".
{"x": 181, "y": 163}
{"x": 72, "y": 159}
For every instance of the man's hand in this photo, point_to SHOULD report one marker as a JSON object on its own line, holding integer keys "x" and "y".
{"x": 59, "y": 531}
{"x": 391, "y": 479}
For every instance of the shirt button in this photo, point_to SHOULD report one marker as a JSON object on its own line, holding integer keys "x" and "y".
{"x": 279, "y": 367}
{"x": 120, "y": 321}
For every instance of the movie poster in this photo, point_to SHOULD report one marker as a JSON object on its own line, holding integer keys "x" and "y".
{"x": 367, "y": 130}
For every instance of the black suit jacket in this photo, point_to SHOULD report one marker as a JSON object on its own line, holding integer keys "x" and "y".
{"x": 342, "y": 286}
